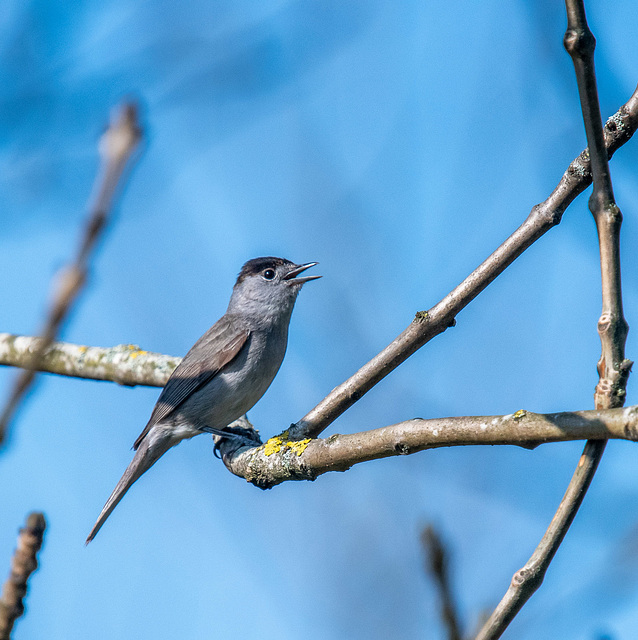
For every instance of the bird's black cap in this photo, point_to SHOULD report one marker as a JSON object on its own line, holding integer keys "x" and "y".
{"x": 257, "y": 265}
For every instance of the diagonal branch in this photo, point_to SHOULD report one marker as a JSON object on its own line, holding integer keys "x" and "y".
{"x": 116, "y": 147}
{"x": 128, "y": 365}
{"x": 24, "y": 563}
{"x": 613, "y": 368}
{"x": 427, "y": 325}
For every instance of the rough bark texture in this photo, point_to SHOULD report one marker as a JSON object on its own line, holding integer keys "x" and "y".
{"x": 283, "y": 458}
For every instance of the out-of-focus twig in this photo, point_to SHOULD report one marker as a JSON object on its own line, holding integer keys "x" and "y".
{"x": 116, "y": 147}
{"x": 24, "y": 563}
{"x": 437, "y": 560}
{"x": 613, "y": 367}
{"x": 426, "y": 325}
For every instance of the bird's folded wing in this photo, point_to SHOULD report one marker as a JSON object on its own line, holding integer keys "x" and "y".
{"x": 208, "y": 356}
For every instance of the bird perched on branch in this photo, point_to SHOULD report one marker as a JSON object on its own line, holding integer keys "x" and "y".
{"x": 226, "y": 371}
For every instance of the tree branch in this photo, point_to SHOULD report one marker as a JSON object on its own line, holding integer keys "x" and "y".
{"x": 282, "y": 458}
{"x": 437, "y": 566}
{"x": 122, "y": 363}
{"x": 116, "y": 147}
{"x": 613, "y": 368}
{"x": 426, "y": 325}
{"x": 24, "y": 563}
{"x": 125, "y": 363}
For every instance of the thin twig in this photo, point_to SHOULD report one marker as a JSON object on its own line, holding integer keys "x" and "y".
{"x": 283, "y": 459}
{"x": 24, "y": 563}
{"x": 116, "y": 147}
{"x": 437, "y": 567}
{"x": 427, "y": 325}
{"x": 613, "y": 368}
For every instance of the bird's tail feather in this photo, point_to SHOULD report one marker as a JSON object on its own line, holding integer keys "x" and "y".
{"x": 148, "y": 453}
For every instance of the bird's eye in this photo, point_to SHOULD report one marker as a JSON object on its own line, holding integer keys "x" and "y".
{"x": 269, "y": 274}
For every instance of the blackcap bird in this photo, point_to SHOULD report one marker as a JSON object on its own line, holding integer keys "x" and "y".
{"x": 226, "y": 371}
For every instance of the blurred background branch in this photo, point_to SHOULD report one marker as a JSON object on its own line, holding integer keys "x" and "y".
{"x": 23, "y": 564}
{"x": 437, "y": 566}
{"x": 116, "y": 147}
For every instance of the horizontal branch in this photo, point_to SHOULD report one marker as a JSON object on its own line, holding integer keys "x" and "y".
{"x": 125, "y": 363}
{"x": 280, "y": 459}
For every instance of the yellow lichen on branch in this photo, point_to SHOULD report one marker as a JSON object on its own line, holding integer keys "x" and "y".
{"x": 281, "y": 442}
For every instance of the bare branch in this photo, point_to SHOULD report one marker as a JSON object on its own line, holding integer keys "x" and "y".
{"x": 116, "y": 147}
{"x": 111, "y": 364}
{"x": 25, "y": 562}
{"x": 437, "y": 567}
{"x": 426, "y": 325}
{"x": 125, "y": 363}
{"x": 613, "y": 368}
{"x": 282, "y": 458}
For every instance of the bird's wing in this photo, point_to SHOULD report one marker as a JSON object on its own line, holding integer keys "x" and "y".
{"x": 208, "y": 356}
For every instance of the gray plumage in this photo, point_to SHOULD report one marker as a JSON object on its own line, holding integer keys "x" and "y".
{"x": 225, "y": 372}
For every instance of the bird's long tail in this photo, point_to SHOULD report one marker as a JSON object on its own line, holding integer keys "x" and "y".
{"x": 148, "y": 453}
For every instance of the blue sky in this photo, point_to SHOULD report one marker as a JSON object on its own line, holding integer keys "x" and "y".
{"x": 397, "y": 146}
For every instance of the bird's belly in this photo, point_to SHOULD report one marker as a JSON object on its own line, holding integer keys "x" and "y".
{"x": 235, "y": 389}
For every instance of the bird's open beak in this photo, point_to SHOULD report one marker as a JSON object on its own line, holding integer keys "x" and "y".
{"x": 295, "y": 271}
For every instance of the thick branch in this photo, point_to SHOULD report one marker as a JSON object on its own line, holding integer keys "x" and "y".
{"x": 282, "y": 459}
{"x": 116, "y": 147}
{"x": 620, "y": 127}
{"x": 24, "y": 563}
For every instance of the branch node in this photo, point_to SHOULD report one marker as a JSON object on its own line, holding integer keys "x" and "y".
{"x": 528, "y": 576}
{"x": 402, "y": 448}
{"x": 123, "y": 134}
{"x": 550, "y": 216}
{"x": 579, "y": 42}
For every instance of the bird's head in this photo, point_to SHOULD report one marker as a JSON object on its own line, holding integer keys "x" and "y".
{"x": 267, "y": 288}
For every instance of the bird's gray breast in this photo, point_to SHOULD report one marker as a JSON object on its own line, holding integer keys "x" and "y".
{"x": 240, "y": 384}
